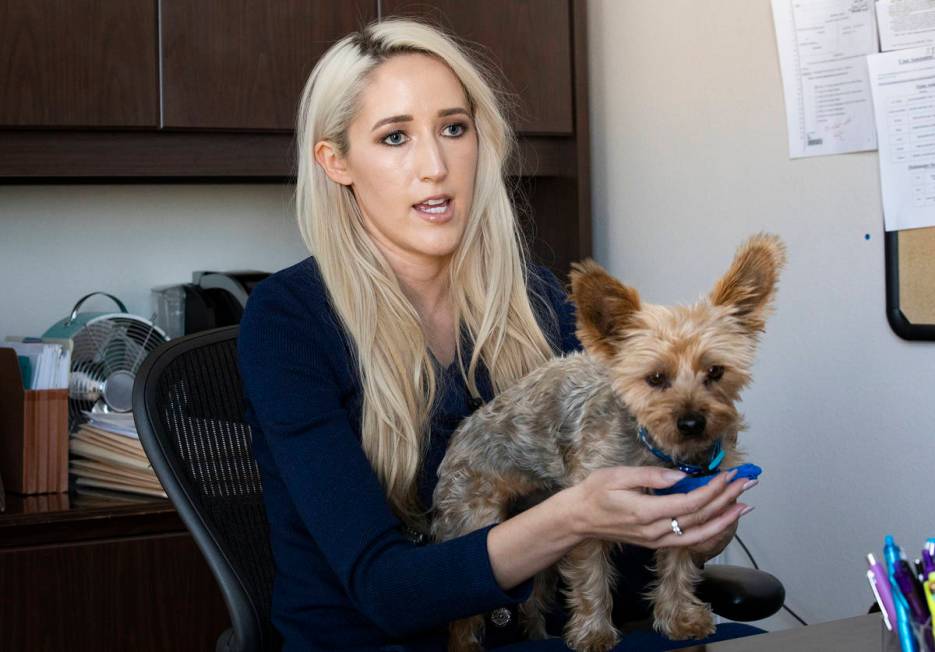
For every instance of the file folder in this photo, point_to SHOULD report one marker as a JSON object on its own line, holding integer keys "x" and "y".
{"x": 33, "y": 433}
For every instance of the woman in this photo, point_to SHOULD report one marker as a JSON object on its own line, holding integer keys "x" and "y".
{"x": 359, "y": 363}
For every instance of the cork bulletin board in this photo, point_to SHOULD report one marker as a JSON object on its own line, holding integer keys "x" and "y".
{"x": 910, "y": 283}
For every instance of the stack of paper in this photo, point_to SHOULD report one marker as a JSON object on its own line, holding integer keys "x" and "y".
{"x": 43, "y": 364}
{"x": 902, "y": 80}
{"x": 843, "y": 95}
{"x": 823, "y": 48}
{"x": 89, "y": 497}
{"x": 107, "y": 454}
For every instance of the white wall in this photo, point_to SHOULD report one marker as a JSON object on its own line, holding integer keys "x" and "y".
{"x": 59, "y": 242}
{"x": 690, "y": 157}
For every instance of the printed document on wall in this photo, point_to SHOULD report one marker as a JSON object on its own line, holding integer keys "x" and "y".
{"x": 903, "y": 84}
{"x": 906, "y": 24}
{"x": 823, "y": 45}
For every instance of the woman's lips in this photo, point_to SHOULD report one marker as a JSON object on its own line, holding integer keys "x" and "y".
{"x": 435, "y": 211}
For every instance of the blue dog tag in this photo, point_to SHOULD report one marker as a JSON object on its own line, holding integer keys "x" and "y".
{"x": 683, "y": 486}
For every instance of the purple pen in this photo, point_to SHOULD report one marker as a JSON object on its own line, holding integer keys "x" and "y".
{"x": 928, "y": 559}
{"x": 909, "y": 587}
{"x": 880, "y": 585}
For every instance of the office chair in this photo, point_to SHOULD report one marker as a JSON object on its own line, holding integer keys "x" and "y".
{"x": 188, "y": 405}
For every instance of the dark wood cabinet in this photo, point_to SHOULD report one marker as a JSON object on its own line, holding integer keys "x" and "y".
{"x": 119, "y": 577}
{"x": 78, "y": 63}
{"x": 529, "y": 40}
{"x": 242, "y": 64}
{"x": 143, "y": 90}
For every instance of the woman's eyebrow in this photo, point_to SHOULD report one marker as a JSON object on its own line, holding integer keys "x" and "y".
{"x": 408, "y": 118}
{"x": 454, "y": 111}
{"x": 391, "y": 120}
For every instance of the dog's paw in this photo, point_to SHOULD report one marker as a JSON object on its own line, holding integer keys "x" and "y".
{"x": 595, "y": 638}
{"x": 694, "y": 620}
{"x": 464, "y": 635}
{"x": 534, "y": 624}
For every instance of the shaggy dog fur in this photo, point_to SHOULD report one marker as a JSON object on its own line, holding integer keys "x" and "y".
{"x": 643, "y": 365}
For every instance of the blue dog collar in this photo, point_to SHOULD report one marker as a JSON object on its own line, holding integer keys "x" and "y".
{"x": 717, "y": 456}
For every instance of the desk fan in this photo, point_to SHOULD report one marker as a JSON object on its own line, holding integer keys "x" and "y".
{"x": 108, "y": 349}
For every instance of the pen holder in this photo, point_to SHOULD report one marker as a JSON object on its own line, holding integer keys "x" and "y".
{"x": 921, "y": 633}
{"x": 33, "y": 433}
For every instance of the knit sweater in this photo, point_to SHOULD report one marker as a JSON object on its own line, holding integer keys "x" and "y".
{"x": 347, "y": 577}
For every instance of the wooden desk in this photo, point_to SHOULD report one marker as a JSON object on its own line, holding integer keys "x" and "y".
{"x": 103, "y": 577}
{"x": 860, "y": 634}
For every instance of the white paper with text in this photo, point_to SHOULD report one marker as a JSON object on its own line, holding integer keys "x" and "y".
{"x": 823, "y": 46}
{"x": 906, "y": 24}
{"x": 903, "y": 84}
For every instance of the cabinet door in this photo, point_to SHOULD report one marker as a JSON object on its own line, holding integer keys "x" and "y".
{"x": 241, "y": 64}
{"x": 529, "y": 39}
{"x": 78, "y": 63}
{"x": 147, "y": 593}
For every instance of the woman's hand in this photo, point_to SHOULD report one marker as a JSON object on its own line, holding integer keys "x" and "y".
{"x": 612, "y": 504}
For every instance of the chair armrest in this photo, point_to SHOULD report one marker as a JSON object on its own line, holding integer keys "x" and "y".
{"x": 739, "y": 593}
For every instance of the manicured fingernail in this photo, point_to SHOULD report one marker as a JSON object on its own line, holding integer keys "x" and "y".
{"x": 673, "y": 475}
{"x": 749, "y": 484}
{"x": 747, "y": 510}
{"x": 731, "y": 475}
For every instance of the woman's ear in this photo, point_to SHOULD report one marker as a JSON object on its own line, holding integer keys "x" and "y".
{"x": 334, "y": 165}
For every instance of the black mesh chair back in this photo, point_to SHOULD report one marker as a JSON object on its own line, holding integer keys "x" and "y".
{"x": 188, "y": 405}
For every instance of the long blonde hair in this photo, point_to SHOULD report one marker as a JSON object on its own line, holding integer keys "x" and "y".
{"x": 487, "y": 271}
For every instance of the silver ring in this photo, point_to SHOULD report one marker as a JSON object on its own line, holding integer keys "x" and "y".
{"x": 676, "y": 528}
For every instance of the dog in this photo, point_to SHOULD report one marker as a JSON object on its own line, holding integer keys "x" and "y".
{"x": 650, "y": 377}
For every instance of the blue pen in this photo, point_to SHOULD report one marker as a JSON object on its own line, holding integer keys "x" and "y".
{"x": 907, "y": 639}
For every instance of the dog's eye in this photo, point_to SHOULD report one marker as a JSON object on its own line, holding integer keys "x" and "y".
{"x": 716, "y": 372}
{"x": 656, "y": 380}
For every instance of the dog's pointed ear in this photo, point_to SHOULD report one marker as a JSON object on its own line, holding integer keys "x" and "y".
{"x": 605, "y": 308}
{"x": 750, "y": 284}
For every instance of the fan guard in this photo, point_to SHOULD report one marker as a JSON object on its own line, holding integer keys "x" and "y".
{"x": 107, "y": 353}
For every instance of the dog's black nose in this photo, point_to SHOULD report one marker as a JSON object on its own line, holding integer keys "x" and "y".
{"x": 691, "y": 424}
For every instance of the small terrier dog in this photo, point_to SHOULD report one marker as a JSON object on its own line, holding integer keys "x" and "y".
{"x": 650, "y": 377}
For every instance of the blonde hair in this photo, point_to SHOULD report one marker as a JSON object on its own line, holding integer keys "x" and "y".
{"x": 487, "y": 271}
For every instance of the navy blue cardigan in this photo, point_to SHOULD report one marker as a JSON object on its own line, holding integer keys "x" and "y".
{"x": 346, "y": 577}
